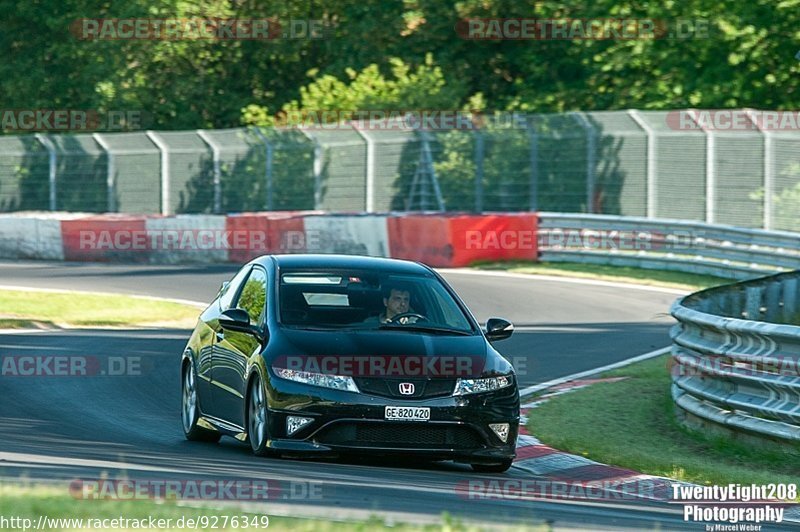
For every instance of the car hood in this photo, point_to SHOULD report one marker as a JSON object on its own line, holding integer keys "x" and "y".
{"x": 411, "y": 353}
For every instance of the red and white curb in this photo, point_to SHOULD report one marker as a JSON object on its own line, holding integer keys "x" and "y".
{"x": 580, "y": 474}
{"x": 544, "y": 461}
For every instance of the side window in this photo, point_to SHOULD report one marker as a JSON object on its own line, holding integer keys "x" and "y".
{"x": 254, "y": 295}
{"x": 233, "y": 287}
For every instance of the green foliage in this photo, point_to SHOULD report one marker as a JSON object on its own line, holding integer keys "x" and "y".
{"x": 399, "y": 55}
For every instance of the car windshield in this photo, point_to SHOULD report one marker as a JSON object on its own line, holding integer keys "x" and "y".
{"x": 369, "y": 300}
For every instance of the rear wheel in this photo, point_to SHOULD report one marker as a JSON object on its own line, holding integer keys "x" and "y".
{"x": 190, "y": 409}
{"x": 500, "y": 467}
{"x": 257, "y": 427}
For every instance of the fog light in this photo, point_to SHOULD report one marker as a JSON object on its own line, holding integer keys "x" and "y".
{"x": 501, "y": 429}
{"x": 295, "y": 423}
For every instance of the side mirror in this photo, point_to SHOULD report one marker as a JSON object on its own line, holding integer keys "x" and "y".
{"x": 236, "y": 319}
{"x": 498, "y": 329}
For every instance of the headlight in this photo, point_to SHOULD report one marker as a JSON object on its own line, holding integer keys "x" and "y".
{"x": 337, "y": 382}
{"x": 467, "y": 386}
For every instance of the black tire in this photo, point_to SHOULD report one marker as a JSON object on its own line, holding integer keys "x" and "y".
{"x": 501, "y": 467}
{"x": 257, "y": 418}
{"x": 190, "y": 409}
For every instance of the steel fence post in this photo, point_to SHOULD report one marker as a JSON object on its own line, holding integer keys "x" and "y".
{"x": 318, "y": 165}
{"x": 217, "y": 163}
{"x": 370, "y": 169}
{"x": 110, "y": 173}
{"x": 651, "y": 176}
{"x": 533, "y": 187}
{"x": 166, "y": 208}
{"x": 52, "y": 168}
{"x": 479, "y": 158}
{"x": 591, "y": 156}
{"x": 769, "y": 171}
{"x": 268, "y": 155}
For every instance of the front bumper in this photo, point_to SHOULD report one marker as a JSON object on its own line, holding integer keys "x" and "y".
{"x": 349, "y": 422}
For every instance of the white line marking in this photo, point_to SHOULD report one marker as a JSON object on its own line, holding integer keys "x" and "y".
{"x": 88, "y": 292}
{"x": 566, "y": 279}
{"x": 575, "y": 376}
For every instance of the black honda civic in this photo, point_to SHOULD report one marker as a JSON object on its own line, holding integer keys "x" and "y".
{"x": 303, "y": 354}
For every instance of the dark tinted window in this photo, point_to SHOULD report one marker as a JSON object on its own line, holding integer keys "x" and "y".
{"x": 359, "y": 299}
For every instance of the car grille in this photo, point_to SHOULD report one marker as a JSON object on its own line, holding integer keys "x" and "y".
{"x": 400, "y": 435}
{"x": 423, "y": 388}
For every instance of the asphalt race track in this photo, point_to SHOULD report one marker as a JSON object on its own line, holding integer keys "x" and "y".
{"x": 55, "y": 427}
{"x": 562, "y": 327}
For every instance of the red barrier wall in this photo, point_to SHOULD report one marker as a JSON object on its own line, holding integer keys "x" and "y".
{"x": 282, "y": 232}
{"x": 460, "y": 240}
{"x": 105, "y": 238}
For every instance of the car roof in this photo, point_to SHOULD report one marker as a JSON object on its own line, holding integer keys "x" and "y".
{"x": 320, "y": 261}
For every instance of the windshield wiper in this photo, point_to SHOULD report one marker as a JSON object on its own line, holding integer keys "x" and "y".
{"x": 423, "y": 328}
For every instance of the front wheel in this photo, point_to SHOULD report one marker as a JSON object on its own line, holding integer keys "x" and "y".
{"x": 257, "y": 428}
{"x": 190, "y": 409}
{"x": 500, "y": 467}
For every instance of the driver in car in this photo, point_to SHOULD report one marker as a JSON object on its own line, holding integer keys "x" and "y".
{"x": 396, "y": 301}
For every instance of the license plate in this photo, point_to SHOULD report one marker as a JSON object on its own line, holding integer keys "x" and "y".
{"x": 408, "y": 413}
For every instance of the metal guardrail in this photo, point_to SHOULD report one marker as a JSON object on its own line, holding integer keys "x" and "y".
{"x": 694, "y": 247}
{"x": 736, "y": 354}
{"x": 736, "y": 347}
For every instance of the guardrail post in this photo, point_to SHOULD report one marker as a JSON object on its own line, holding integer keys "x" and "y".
{"x": 753, "y": 302}
{"x": 772, "y": 302}
{"x": 591, "y": 156}
{"x": 217, "y": 162}
{"x": 652, "y": 191}
{"x": 268, "y": 155}
{"x": 53, "y": 168}
{"x": 166, "y": 208}
{"x": 111, "y": 170}
{"x": 789, "y": 298}
{"x": 479, "y": 158}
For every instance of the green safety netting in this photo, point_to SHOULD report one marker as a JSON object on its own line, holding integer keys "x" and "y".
{"x": 680, "y": 159}
{"x": 82, "y": 173}
{"x": 24, "y": 174}
{"x": 136, "y": 169}
{"x": 570, "y": 162}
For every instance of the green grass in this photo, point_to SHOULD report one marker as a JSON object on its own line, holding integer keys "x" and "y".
{"x": 631, "y": 423}
{"x": 670, "y": 279}
{"x": 54, "y": 502}
{"x": 24, "y": 309}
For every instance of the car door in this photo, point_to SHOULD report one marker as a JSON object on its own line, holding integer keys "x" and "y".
{"x": 210, "y": 333}
{"x": 233, "y": 349}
